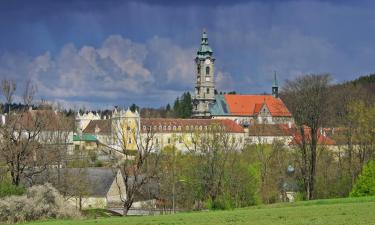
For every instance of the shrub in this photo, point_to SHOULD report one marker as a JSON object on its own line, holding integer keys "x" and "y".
{"x": 365, "y": 185}
{"x": 7, "y": 189}
{"x": 39, "y": 202}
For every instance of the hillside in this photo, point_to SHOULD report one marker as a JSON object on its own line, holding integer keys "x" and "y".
{"x": 331, "y": 211}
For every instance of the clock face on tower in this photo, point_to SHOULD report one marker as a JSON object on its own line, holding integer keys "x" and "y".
{"x": 207, "y": 61}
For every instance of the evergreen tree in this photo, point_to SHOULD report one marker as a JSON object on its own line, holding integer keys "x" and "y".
{"x": 134, "y": 108}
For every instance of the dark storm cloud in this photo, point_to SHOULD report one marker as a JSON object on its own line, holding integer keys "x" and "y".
{"x": 64, "y": 45}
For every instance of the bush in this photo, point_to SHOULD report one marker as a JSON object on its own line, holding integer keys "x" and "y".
{"x": 365, "y": 185}
{"x": 39, "y": 202}
{"x": 7, "y": 189}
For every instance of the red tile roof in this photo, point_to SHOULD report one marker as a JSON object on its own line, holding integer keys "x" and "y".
{"x": 251, "y": 104}
{"x": 297, "y": 137}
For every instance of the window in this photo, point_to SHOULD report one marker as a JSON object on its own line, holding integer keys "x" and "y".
{"x": 169, "y": 140}
{"x": 129, "y": 140}
{"x": 169, "y": 127}
{"x": 207, "y": 78}
{"x": 156, "y": 140}
{"x": 199, "y": 69}
{"x": 207, "y": 90}
{"x": 174, "y": 127}
{"x": 207, "y": 70}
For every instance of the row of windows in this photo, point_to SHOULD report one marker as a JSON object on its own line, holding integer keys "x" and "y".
{"x": 187, "y": 128}
{"x": 207, "y": 79}
{"x": 207, "y": 70}
{"x": 207, "y": 91}
{"x": 180, "y": 140}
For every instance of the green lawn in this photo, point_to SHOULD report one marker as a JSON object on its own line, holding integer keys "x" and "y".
{"x": 324, "y": 212}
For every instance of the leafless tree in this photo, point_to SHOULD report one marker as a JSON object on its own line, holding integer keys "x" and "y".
{"x": 8, "y": 88}
{"x": 307, "y": 99}
{"x": 138, "y": 161}
{"x": 20, "y": 147}
{"x": 29, "y": 93}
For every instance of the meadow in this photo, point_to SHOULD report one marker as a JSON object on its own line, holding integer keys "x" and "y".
{"x": 318, "y": 212}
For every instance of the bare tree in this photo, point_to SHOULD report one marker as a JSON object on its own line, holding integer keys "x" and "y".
{"x": 307, "y": 99}
{"x": 20, "y": 147}
{"x": 138, "y": 162}
{"x": 8, "y": 87}
{"x": 29, "y": 93}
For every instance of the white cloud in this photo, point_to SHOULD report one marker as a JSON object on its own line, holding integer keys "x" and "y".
{"x": 118, "y": 71}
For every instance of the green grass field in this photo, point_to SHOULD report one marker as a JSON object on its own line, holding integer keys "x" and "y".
{"x": 322, "y": 212}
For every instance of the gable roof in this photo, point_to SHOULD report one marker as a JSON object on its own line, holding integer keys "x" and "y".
{"x": 251, "y": 104}
{"x": 104, "y": 127}
{"x": 96, "y": 180}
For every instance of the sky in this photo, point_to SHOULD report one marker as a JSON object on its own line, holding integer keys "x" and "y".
{"x": 97, "y": 54}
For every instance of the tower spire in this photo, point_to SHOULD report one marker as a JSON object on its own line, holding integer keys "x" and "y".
{"x": 204, "y": 50}
{"x": 275, "y": 86}
{"x": 205, "y": 85}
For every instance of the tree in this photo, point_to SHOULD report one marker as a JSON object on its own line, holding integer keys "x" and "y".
{"x": 8, "y": 87}
{"x": 134, "y": 108}
{"x": 137, "y": 161}
{"x": 307, "y": 98}
{"x": 29, "y": 93}
{"x": 21, "y": 148}
{"x": 212, "y": 147}
{"x": 365, "y": 185}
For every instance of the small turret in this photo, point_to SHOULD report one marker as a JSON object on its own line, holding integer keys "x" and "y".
{"x": 275, "y": 87}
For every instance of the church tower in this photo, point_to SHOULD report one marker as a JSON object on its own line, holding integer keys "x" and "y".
{"x": 205, "y": 84}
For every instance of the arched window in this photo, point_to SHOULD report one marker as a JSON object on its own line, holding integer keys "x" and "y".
{"x": 207, "y": 70}
{"x": 199, "y": 69}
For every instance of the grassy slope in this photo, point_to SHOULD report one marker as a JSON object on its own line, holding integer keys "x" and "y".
{"x": 324, "y": 212}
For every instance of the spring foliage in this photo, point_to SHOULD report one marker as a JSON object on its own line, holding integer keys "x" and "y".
{"x": 365, "y": 185}
{"x": 39, "y": 202}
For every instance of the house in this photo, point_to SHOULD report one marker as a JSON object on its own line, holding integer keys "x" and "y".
{"x": 125, "y": 129}
{"x": 251, "y": 109}
{"x": 269, "y": 133}
{"x": 96, "y": 188}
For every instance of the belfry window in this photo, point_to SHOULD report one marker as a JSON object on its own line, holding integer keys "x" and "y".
{"x": 207, "y": 70}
